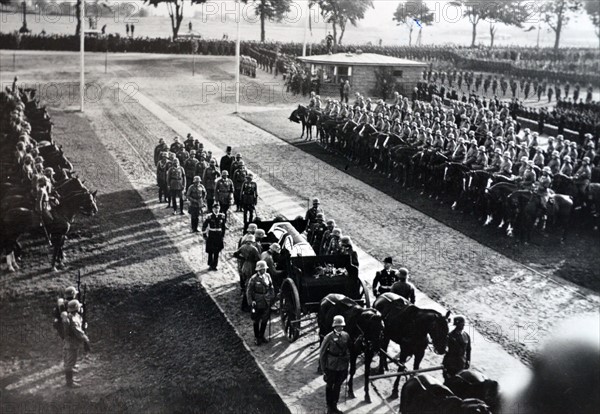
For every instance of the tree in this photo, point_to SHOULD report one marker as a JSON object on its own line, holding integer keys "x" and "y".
{"x": 475, "y": 11}
{"x": 510, "y": 13}
{"x": 592, "y": 7}
{"x": 269, "y": 9}
{"x": 340, "y": 12}
{"x": 175, "y": 8}
{"x": 555, "y": 13}
{"x": 411, "y": 13}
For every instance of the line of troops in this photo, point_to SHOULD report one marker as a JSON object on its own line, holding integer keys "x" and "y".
{"x": 184, "y": 170}
{"x": 469, "y": 133}
{"x": 523, "y": 85}
{"x": 248, "y": 66}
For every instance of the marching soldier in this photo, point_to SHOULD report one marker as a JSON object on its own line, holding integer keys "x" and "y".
{"x": 249, "y": 198}
{"x": 176, "y": 146}
{"x": 190, "y": 168}
{"x": 347, "y": 248}
{"x": 248, "y": 255}
{"x": 385, "y": 278}
{"x": 403, "y": 287}
{"x": 196, "y": 194}
{"x": 188, "y": 144}
{"x": 326, "y": 237}
{"x": 334, "y": 358}
{"x": 311, "y": 214}
{"x": 224, "y": 192}
{"x": 211, "y": 174}
{"x": 176, "y": 185}
{"x": 239, "y": 178}
{"x": 316, "y": 231}
{"x": 334, "y": 245}
{"x": 74, "y": 337}
{"x": 260, "y": 294}
{"x": 161, "y": 178}
{"x": 458, "y": 356}
{"x": 159, "y": 149}
{"x": 213, "y": 229}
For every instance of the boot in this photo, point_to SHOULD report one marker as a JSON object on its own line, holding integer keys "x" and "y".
{"x": 71, "y": 383}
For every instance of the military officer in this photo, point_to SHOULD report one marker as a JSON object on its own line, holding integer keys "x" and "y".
{"x": 190, "y": 166}
{"x": 226, "y": 160}
{"x": 176, "y": 185}
{"x": 334, "y": 358}
{"x": 239, "y": 178}
{"x": 458, "y": 356}
{"x": 249, "y": 198}
{"x": 270, "y": 258}
{"x": 403, "y": 287}
{"x": 74, "y": 337}
{"x": 211, "y": 174}
{"x": 196, "y": 194}
{"x": 316, "y": 231}
{"x": 224, "y": 192}
{"x": 260, "y": 294}
{"x": 347, "y": 248}
{"x": 176, "y": 146}
{"x": 159, "y": 149}
{"x": 385, "y": 278}
{"x": 161, "y": 178}
{"x": 213, "y": 230}
{"x": 248, "y": 255}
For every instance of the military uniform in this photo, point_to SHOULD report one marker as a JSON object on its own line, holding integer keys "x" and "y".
{"x": 162, "y": 147}
{"x": 334, "y": 360}
{"x": 224, "y": 193}
{"x": 74, "y": 338}
{"x": 404, "y": 289}
{"x": 249, "y": 255}
{"x": 190, "y": 170}
{"x": 238, "y": 178}
{"x": 161, "y": 179}
{"x": 315, "y": 234}
{"x": 311, "y": 215}
{"x": 209, "y": 178}
{"x": 385, "y": 278}
{"x": 458, "y": 356}
{"x": 214, "y": 232}
{"x": 196, "y": 194}
{"x": 248, "y": 199}
{"x": 260, "y": 291}
{"x": 176, "y": 183}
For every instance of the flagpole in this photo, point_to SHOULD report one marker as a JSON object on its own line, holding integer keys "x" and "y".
{"x": 237, "y": 60}
{"x": 81, "y": 55}
{"x": 306, "y": 28}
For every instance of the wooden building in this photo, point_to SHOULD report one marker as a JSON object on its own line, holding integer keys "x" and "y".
{"x": 361, "y": 70}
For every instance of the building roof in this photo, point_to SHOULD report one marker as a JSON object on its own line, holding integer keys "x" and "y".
{"x": 362, "y": 59}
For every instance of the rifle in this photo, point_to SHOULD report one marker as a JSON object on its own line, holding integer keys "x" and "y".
{"x": 84, "y": 313}
{"x": 79, "y": 285}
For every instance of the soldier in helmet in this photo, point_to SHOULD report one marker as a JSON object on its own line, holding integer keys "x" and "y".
{"x": 190, "y": 166}
{"x": 326, "y": 237}
{"x": 334, "y": 246}
{"x": 239, "y": 178}
{"x": 248, "y": 197}
{"x": 211, "y": 174}
{"x": 161, "y": 178}
{"x": 189, "y": 142}
{"x": 316, "y": 231}
{"x": 61, "y": 307}
{"x": 213, "y": 230}
{"x": 311, "y": 214}
{"x": 385, "y": 278}
{"x": 543, "y": 189}
{"x": 529, "y": 176}
{"x": 74, "y": 337}
{"x": 270, "y": 257}
{"x": 582, "y": 178}
{"x": 334, "y": 358}
{"x": 224, "y": 192}
{"x": 567, "y": 166}
{"x": 348, "y": 249}
{"x": 159, "y": 149}
{"x": 176, "y": 185}
{"x": 403, "y": 287}
{"x": 248, "y": 255}
{"x": 260, "y": 294}
{"x": 458, "y": 356}
{"x": 196, "y": 194}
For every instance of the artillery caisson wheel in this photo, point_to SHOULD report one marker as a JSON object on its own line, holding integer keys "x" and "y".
{"x": 364, "y": 294}
{"x": 289, "y": 308}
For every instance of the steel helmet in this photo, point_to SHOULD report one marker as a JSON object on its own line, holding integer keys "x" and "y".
{"x": 586, "y": 160}
{"x": 346, "y": 240}
{"x": 275, "y": 248}
{"x": 498, "y": 151}
{"x": 197, "y": 179}
{"x": 530, "y": 163}
{"x": 316, "y": 201}
{"x": 458, "y": 319}
{"x": 71, "y": 292}
{"x": 506, "y": 154}
{"x": 555, "y": 153}
{"x": 547, "y": 170}
{"x": 73, "y": 306}
{"x": 338, "y": 320}
{"x": 261, "y": 265}
{"x": 259, "y": 233}
{"x": 481, "y": 148}
{"x": 251, "y": 228}
{"x": 249, "y": 238}
{"x": 567, "y": 158}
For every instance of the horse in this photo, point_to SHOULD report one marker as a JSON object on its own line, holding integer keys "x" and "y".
{"x": 496, "y": 207}
{"x": 476, "y": 182}
{"x": 364, "y": 325}
{"x": 54, "y": 157}
{"x": 424, "y": 394}
{"x": 409, "y": 326}
{"x": 19, "y": 220}
{"x": 454, "y": 181}
{"x": 307, "y": 117}
{"x": 527, "y": 206}
{"x": 402, "y": 159}
{"x": 563, "y": 184}
{"x": 473, "y": 384}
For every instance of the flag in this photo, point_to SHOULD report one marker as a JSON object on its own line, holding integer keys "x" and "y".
{"x": 530, "y": 29}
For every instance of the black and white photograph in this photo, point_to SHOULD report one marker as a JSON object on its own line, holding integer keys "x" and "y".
{"x": 300, "y": 206}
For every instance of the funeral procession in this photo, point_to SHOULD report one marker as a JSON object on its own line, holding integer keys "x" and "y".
{"x": 300, "y": 206}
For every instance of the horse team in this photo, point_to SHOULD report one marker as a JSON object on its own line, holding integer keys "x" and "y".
{"x": 39, "y": 193}
{"x": 472, "y": 155}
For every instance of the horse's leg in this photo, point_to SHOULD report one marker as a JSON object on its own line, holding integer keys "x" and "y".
{"x": 383, "y": 366}
{"x": 368, "y": 359}
{"x": 353, "y": 356}
{"x": 418, "y": 357}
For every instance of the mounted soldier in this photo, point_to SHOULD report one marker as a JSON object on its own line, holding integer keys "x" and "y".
{"x": 567, "y": 166}
{"x": 403, "y": 287}
{"x": 582, "y": 178}
{"x": 554, "y": 163}
{"x": 529, "y": 176}
{"x": 385, "y": 278}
